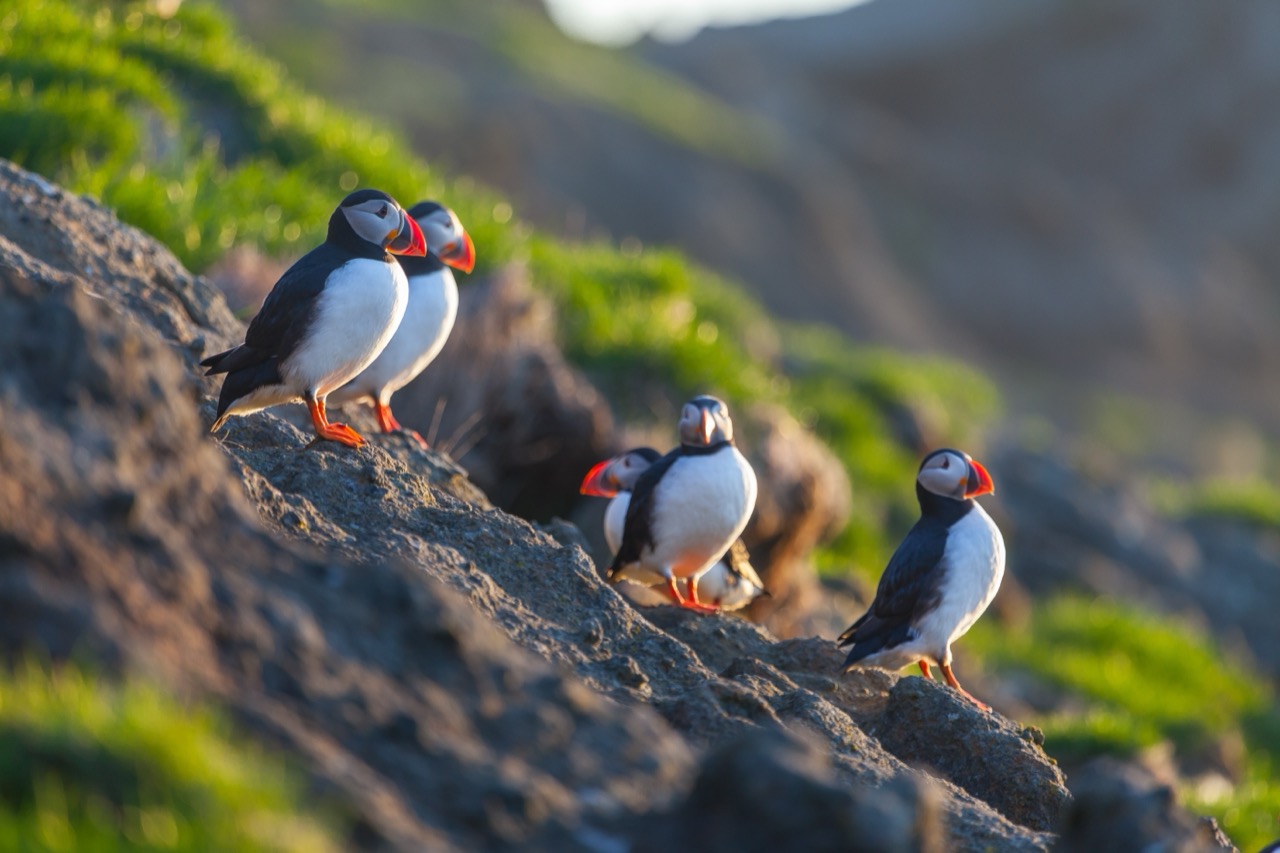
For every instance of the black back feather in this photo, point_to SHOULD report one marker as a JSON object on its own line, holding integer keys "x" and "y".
{"x": 637, "y": 531}
{"x": 911, "y": 584}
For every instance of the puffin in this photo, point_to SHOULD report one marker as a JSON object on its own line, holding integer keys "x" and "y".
{"x": 428, "y": 319}
{"x": 688, "y": 507}
{"x": 730, "y": 584}
{"x": 326, "y": 319}
{"x": 939, "y": 580}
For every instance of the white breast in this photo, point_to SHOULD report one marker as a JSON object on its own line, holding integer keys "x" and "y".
{"x": 615, "y": 520}
{"x": 701, "y": 505}
{"x": 428, "y": 320}
{"x": 973, "y": 564}
{"x": 356, "y": 314}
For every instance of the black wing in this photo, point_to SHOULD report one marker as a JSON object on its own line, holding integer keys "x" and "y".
{"x": 282, "y": 321}
{"x": 637, "y": 531}
{"x": 277, "y": 329}
{"x": 909, "y": 588}
{"x": 287, "y": 311}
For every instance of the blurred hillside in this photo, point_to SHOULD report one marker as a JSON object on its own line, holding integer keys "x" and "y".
{"x": 1077, "y": 196}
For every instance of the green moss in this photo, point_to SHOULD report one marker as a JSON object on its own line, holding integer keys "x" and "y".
{"x": 191, "y": 135}
{"x": 89, "y": 766}
{"x": 1256, "y": 503}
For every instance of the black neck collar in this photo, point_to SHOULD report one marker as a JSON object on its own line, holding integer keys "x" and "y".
{"x": 944, "y": 509}
{"x": 704, "y": 449}
{"x": 424, "y": 265}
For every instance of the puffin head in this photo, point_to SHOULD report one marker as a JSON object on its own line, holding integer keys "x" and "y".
{"x": 446, "y": 238}
{"x": 618, "y": 474}
{"x": 952, "y": 474}
{"x": 372, "y": 216}
{"x": 705, "y": 421}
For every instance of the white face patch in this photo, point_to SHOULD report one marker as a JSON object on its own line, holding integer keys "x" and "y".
{"x": 691, "y": 422}
{"x": 946, "y": 474}
{"x": 628, "y": 470}
{"x": 376, "y": 220}
{"x": 442, "y": 230}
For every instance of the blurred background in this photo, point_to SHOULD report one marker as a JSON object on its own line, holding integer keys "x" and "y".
{"x": 1039, "y": 230}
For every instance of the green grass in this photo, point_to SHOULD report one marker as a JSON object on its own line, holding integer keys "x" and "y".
{"x": 1145, "y": 679}
{"x": 89, "y": 766}
{"x": 120, "y": 104}
{"x": 1254, "y": 502}
{"x": 190, "y": 134}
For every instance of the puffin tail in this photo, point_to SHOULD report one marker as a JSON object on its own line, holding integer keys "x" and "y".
{"x": 241, "y": 383}
{"x": 871, "y": 642}
{"x": 236, "y": 358}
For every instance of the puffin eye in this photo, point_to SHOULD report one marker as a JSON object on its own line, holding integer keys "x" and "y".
{"x": 382, "y": 212}
{"x": 946, "y": 462}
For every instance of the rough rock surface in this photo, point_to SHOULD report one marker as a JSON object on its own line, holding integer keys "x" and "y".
{"x": 1120, "y": 807}
{"x": 527, "y": 426}
{"x": 463, "y": 678}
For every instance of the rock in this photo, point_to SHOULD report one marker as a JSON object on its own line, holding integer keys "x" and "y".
{"x": 462, "y": 679}
{"x": 804, "y": 500}
{"x": 1121, "y": 807}
{"x": 386, "y": 683}
{"x": 927, "y": 725}
{"x": 800, "y": 804}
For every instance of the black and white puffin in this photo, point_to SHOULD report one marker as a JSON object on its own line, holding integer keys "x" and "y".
{"x": 428, "y": 319}
{"x": 941, "y": 578}
{"x": 730, "y": 584}
{"x": 689, "y": 506}
{"x": 327, "y": 318}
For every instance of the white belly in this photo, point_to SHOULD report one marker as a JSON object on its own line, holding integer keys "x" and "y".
{"x": 974, "y": 567}
{"x": 701, "y": 505}
{"x": 615, "y": 520}
{"x": 356, "y": 316}
{"x": 428, "y": 320}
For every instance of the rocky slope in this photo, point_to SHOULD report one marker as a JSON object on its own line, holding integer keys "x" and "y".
{"x": 463, "y": 678}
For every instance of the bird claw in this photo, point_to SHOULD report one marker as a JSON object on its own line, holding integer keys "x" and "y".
{"x": 417, "y": 436}
{"x": 343, "y": 434}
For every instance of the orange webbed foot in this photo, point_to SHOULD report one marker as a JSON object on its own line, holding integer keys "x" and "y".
{"x": 342, "y": 434}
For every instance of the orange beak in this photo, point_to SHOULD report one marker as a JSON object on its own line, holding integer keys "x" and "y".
{"x": 460, "y": 254}
{"x": 408, "y": 240}
{"x": 980, "y": 482}
{"x": 599, "y": 482}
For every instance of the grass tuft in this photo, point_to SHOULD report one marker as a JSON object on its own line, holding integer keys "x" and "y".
{"x": 89, "y": 766}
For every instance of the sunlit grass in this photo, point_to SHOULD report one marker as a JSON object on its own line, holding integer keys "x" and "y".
{"x": 191, "y": 135}
{"x": 85, "y": 765}
{"x": 1144, "y": 679}
{"x": 1255, "y": 502}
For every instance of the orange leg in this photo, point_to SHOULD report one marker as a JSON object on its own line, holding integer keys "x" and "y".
{"x": 924, "y": 669}
{"x": 388, "y": 422}
{"x": 951, "y": 679}
{"x": 693, "y": 602}
{"x": 340, "y": 433}
{"x": 690, "y": 603}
